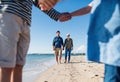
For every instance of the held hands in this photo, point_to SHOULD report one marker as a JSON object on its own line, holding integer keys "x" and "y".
{"x": 47, "y": 4}
{"x": 65, "y": 17}
{"x": 62, "y": 48}
{"x": 72, "y": 48}
{"x": 53, "y": 48}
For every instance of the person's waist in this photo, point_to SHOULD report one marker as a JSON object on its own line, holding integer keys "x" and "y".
{"x": 58, "y": 46}
{"x": 25, "y": 20}
{"x": 70, "y": 46}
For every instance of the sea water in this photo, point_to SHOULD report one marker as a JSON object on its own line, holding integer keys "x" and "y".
{"x": 36, "y": 64}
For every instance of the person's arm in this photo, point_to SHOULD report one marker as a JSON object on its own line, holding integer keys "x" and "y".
{"x": 52, "y": 13}
{"x": 53, "y": 44}
{"x": 46, "y": 4}
{"x": 82, "y": 11}
{"x": 62, "y": 43}
{"x": 71, "y": 44}
{"x": 79, "y": 12}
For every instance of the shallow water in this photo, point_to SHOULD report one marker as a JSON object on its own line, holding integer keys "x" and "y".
{"x": 36, "y": 64}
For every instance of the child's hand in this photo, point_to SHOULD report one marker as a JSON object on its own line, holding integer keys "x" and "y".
{"x": 65, "y": 17}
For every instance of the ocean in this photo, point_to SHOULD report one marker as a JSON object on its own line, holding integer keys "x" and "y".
{"x": 36, "y": 64}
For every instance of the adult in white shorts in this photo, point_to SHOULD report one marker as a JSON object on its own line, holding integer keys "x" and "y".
{"x": 15, "y": 20}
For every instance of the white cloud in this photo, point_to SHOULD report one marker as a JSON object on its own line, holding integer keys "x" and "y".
{"x": 80, "y": 49}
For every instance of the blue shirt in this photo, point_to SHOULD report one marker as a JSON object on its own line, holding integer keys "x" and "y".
{"x": 104, "y": 32}
{"x": 57, "y": 42}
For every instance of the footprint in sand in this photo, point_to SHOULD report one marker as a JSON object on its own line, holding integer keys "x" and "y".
{"x": 96, "y": 75}
{"x": 45, "y": 81}
{"x": 90, "y": 66}
{"x": 85, "y": 70}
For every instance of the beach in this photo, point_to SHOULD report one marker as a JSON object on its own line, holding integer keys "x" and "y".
{"x": 79, "y": 70}
{"x": 42, "y": 68}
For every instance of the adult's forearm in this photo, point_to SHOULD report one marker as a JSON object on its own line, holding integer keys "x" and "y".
{"x": 52, "y": 13}
{"x": 47, "y": 4}
{"x": 81, "y": 11}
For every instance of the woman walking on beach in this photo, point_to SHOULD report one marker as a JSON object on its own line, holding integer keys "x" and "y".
{"x": 68, "y": 44}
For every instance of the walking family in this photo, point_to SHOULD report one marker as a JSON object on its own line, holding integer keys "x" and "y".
{"x": 103, "y": 44}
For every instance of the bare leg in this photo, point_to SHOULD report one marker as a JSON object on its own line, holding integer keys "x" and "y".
{"x": 6, "y": 74}
{"x": 17, "y": 73}
{"x": 60, "y": 56}
{"x": 56, "y": 55}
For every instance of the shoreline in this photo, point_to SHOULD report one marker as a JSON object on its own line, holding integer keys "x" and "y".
{"x": 39, "y": 65}
{"x": 79, "y": 70}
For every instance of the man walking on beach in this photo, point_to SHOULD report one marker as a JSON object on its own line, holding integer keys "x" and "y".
{"x": 68, "y": 44}
{"x": 58, "y": 47}
{"x": 15, "y": 20}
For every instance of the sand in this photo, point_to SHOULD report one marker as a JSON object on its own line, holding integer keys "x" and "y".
{"x": 79, "y": 70}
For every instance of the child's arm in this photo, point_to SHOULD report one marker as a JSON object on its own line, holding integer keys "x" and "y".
{"x": 82, "y": 11}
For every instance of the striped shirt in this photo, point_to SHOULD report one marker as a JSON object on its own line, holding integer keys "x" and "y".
{"x": 24, "y": 9}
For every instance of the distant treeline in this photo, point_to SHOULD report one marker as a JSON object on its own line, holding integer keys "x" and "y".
{"x": 74, "y": 54}
{"x": 78, "y": 54}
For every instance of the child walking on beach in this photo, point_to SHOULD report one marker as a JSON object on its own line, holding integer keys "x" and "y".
{"x": 104, "y": 35}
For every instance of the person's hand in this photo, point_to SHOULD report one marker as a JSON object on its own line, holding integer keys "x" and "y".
{"x": 72, "y": 48}
{"x": 53, "y": 49}
{"x": 47, "y": 4}
{"x": 63, "y": 48}
{"x": 65, "y": 17}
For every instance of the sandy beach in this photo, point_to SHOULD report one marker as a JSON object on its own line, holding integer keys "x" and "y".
{"x": 79, "y": 70}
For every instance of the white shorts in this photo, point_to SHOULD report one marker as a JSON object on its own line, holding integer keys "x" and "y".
{"x": 14, "y": 40}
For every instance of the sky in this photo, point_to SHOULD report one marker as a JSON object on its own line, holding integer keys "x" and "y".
{"x": 43, "y": 28}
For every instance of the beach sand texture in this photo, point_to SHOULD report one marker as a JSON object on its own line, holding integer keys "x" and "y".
{"x": 79, "y": 70}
